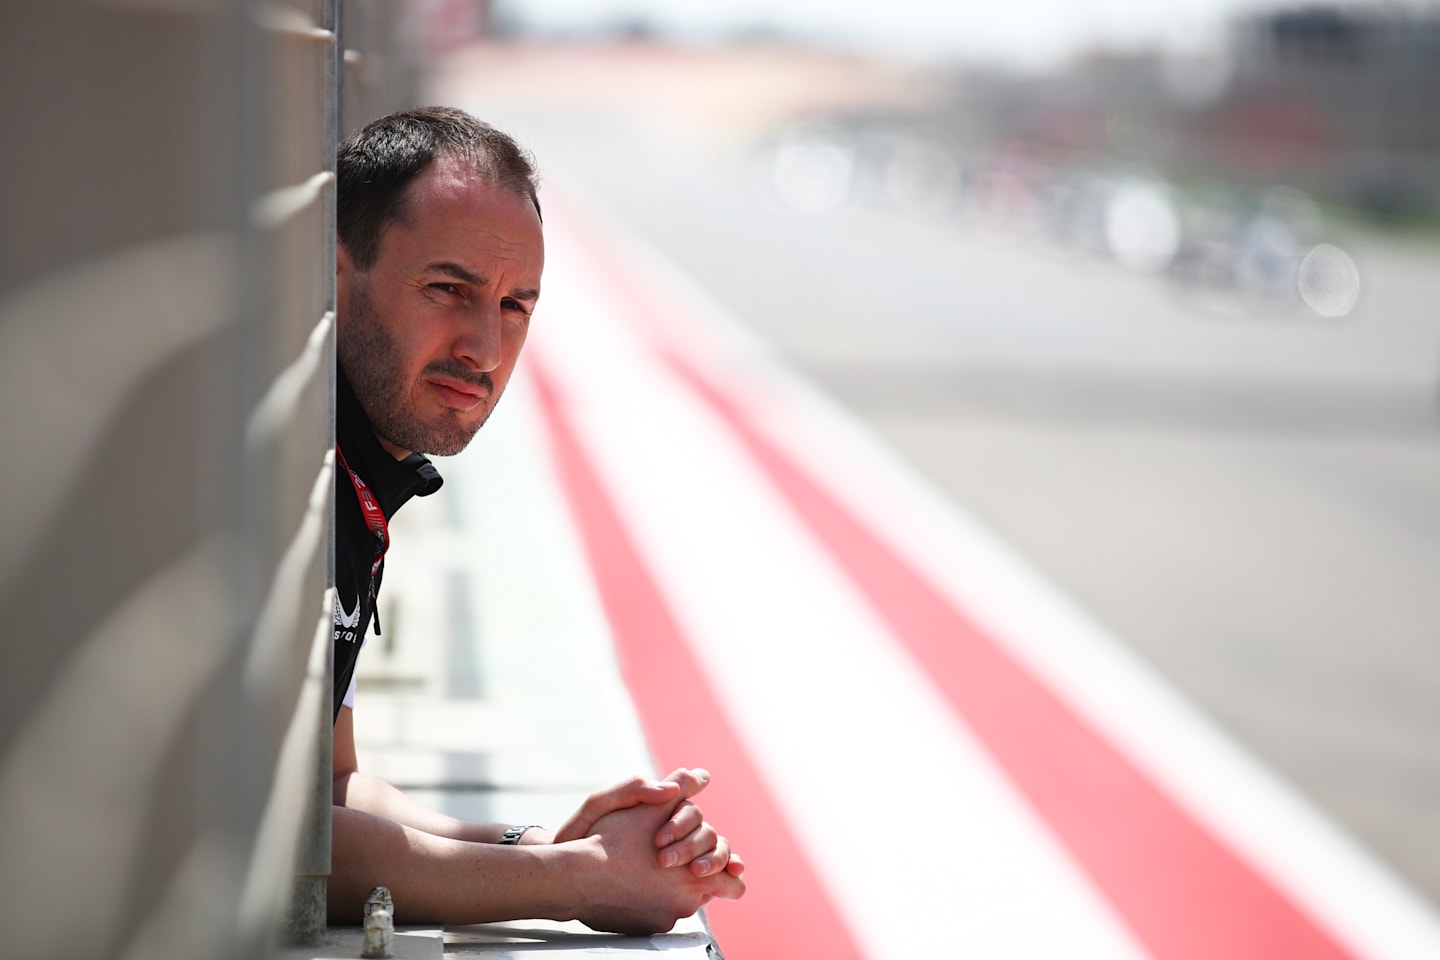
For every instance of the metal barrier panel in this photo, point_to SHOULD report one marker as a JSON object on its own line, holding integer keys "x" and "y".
{"x": 292, "y": 236}
{"x": 166, "y": 395}
{"x": 380, "y": 74}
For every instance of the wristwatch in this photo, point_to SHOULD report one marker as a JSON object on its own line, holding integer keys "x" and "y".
{"x": 512, "y": 835}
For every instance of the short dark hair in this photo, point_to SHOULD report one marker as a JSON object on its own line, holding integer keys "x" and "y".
{"x": 376, "y": 164}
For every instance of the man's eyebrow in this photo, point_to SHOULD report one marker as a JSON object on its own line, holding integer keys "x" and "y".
{"x": 453, "y": 269}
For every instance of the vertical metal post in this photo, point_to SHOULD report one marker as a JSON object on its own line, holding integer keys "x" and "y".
{"x": 307, "y": 919}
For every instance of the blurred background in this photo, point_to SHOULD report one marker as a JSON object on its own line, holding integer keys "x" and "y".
{"x": 1150, "y": 289}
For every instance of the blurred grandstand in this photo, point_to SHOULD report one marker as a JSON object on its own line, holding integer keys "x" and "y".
{"x": 1217, "y": 168}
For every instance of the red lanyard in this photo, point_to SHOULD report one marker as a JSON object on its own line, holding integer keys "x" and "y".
{"x": 374, "y": 518}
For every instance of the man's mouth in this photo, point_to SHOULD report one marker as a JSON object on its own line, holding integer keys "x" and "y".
{"x": 458, "y": 394}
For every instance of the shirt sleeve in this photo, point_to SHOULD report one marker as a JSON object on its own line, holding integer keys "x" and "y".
{"x": 349, "y": 700}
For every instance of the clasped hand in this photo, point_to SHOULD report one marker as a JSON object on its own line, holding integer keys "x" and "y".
{"x": 666, "y": 860}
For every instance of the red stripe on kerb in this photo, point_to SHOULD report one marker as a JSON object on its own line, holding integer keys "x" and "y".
{"x": 785, "y": 912}
{"x": 1182, "y": 891}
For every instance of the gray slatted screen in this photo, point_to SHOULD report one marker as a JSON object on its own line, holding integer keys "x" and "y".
{"x": 166, "y": 422}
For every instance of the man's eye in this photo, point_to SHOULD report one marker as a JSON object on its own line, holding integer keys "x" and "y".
{"x": 449, "y": 288}
{"x": 509, "y": 304}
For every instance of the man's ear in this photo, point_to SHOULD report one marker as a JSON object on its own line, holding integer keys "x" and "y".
{"x": 344, "y": 263}
{"x": 344, "y": 274}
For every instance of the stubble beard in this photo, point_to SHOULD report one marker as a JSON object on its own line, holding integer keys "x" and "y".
{"x": 370, "y": 358}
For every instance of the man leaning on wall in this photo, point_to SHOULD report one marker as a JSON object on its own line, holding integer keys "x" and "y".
{"x": 439, "y": 265}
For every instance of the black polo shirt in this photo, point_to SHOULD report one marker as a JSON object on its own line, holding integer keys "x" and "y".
{"x": 393, "y": 482}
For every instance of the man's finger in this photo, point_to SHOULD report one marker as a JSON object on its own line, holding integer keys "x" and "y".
{"x": 725, "y": 886}
{"x": 626, "y": 793}
{"x": 714, "y": 861}
{"x": 686, "y": 819}
{"x": 699, "y": 843}
{"x": 691, "y": 781}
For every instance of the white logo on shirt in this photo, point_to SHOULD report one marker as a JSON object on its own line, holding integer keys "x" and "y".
{"x": 346, "y": 621}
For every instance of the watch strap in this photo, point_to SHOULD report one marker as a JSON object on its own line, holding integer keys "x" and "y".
{"x": 512, "y": 835}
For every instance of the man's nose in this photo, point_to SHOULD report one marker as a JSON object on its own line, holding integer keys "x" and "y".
{"x": 477, "y": 343}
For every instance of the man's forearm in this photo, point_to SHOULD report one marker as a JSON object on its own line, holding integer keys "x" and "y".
{"x": 609, "y": 879}
{"x": 356, "y": 791}
{"x": 606, "y": 874}
{"x": 438, "y": 879}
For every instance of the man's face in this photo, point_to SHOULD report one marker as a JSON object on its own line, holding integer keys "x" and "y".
{"x": 429, "y": 335}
